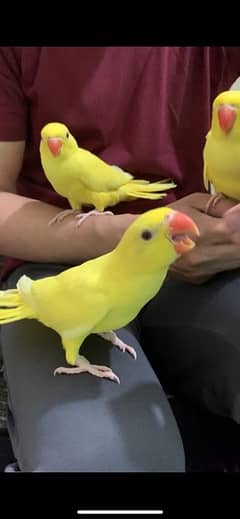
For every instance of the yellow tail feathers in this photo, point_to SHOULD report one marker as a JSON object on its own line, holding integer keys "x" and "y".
{"x": 12, "y": 307}
{"x": 146, "y": 189}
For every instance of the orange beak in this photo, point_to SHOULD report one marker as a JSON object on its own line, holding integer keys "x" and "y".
{"x": 226, "y": 117}
{"x": 182, "y": 232}
{"x": 54, "y": 145}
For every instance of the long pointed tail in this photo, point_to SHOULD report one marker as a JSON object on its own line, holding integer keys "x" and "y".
{"x": 145, "y": 189}
{"x": 13, "y": 307}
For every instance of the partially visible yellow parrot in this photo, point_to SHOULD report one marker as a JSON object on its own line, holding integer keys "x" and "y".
{"x": 106, "y": 293}
{"x": 221, "y": 153}
{"x": 85, "y": 179}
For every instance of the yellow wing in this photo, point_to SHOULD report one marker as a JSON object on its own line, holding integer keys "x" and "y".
{"x": 94, "y": 173}
{"x": 71, "y": 303}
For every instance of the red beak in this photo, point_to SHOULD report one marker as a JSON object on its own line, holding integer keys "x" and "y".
{"x": 182, "y": 231}
{"x": 226, "y": 117}
{"x": 54, "y": 145}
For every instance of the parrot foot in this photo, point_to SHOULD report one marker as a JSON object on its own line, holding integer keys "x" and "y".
{"x": 60, "y": 216}
{"x": 83, "y": 365}
{"x": 114, "y": 339}
{"x": 83, "y": 216}
{"x": 212, "y": 202}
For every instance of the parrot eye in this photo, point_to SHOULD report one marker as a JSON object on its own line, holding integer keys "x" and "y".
{"x": 146, "y": 235}
{"x": 67, "y": 135}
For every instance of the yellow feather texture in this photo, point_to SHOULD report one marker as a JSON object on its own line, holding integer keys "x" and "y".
{"x": 221, "y": 153}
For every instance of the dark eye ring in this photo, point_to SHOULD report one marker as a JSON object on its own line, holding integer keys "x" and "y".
{"x": 67, "y": 135}
{"x": 146, "y": 235}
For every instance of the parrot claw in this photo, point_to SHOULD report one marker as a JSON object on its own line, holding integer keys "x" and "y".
{"x": 124, "y": 347}
{"x": 63, "y": 214}
{"x": 114, "y": 339}
{"x": 83, "y": 365}
{"x": 78, "y": 214}
{"x": 103, "y": 372}
{"x": 212, "y": 202}
{"x": 83, "y": 216}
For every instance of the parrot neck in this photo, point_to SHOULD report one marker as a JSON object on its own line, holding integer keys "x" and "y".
{"x": 135, "y": 281}
{"x": 127, "y": 266}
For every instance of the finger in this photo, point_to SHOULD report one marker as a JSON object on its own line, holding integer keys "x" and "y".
{"x": 221, "y": 233}
{"x": 223, "y": 205}
{"x": 200, "y": 200}
{"x": 213, "y": 231}
{"x": 232, "y": 219}
{"x": 217, "y": 232}
{"x": 208, "y": 261}
{"x": 227, "y": 258}
{"x": 227, "y": 230}
{"x": 191, "y": 278}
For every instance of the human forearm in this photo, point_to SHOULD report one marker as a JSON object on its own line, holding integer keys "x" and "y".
{"x": 25, "y": 233}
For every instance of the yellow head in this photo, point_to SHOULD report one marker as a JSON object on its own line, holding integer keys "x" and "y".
{"x": 226, "y": 114}
{"x": 56, "y": 139}
{"x": 157, "y": 238}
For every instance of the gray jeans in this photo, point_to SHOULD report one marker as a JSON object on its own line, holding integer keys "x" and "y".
{"x": 81, "y": 423}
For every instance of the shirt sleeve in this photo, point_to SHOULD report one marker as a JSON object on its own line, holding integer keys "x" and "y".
{"x": 13, "y": 106}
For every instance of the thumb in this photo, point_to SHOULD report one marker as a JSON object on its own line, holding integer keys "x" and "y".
{"x": 224, "y": 204}
{"x": 232, "y": 218}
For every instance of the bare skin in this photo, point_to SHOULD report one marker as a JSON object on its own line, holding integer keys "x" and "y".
{"x": 81, "y": 217}
{"x": 212, "y": 202}
{"x": 232, "y": 218}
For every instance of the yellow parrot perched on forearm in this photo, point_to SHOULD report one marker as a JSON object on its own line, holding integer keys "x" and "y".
{"x": 106, "y": 293}
{"x": 84, "y": 179}
{"x": 221, "y": 153}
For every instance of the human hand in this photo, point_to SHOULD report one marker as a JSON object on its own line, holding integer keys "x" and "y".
{"x": 216, "y": 249}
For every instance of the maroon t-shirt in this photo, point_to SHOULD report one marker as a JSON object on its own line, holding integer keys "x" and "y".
{"x": 145, "y": 109}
